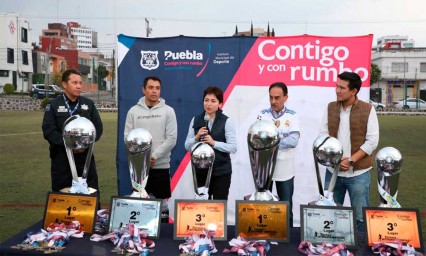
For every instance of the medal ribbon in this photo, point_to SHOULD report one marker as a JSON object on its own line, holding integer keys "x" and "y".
{"x": 395, "y": 248}
{"x": 201, "y": 244}
{"x": 141, "y": 187}
{"x": 70, "y": 111}
{"x": 128, "y": 239}
{"x": 391, "y": 201}
{"x": 53, "y": 238}
{"x": 244, "y": 247}
{"x": 101, "y": 224}
{"x": 324, "y": 249}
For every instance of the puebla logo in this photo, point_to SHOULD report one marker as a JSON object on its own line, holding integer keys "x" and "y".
{"x": 149, "y": 60}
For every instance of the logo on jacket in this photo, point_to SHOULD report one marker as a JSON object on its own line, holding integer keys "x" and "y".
{"x": 84, "y": 107}
{"x": 287, "y": 123}
{"x": 277, "y": 123}
{"x": 149, "y": 60}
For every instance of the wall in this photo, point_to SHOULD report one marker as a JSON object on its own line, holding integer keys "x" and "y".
{"x": 28, "y": 104}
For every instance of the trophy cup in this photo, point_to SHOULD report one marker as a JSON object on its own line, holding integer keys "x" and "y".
{"x": 327, "y": 151}
{"x": 138, "y": 145}
{"x": 202, "y": 159}
{"x": 389, "y": 165}
{"x": 263, "y": 141}
{"x": 79, "y": 133}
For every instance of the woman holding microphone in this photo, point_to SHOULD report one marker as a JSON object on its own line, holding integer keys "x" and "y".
{"x": 216, "y": 129}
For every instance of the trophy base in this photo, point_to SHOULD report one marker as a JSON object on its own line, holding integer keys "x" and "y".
{"x": 261, "y": 196}
{"x": 138, "y": 194}
{"x": 67, "y": 190}
{"x": 324, "y": 201}
{"x": 382, "y": 205}
{"x": 201, "y": 197}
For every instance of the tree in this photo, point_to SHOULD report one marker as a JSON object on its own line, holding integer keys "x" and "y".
{"x": 56, "y": 78}
{"x": 102, "y": 72}
{"x": 268, "y": 33}
{"x": 375, "y": 74}
{"x": 38, "y": 78}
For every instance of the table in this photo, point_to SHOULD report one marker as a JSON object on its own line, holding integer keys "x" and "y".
{"x": 164, "y": 246}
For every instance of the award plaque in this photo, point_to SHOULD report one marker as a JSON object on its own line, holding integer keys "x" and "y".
{"x": 330, "y": 224}
{"x": 144, "y": 213}
{"x": 262, "y": 220}
{"x": 65, "y": 208}
{"x": 387, "y": 224}
{"x": 194, "y": 216}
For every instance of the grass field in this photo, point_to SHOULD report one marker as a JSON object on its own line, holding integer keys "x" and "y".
{"x": 25, "y": 165}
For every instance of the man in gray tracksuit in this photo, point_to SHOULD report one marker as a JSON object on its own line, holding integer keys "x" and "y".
{"x": 152, "y": 114}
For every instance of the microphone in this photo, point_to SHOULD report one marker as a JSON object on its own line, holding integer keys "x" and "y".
{"x": 207, "y": 119}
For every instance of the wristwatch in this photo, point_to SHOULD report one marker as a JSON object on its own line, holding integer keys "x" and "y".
{"x": 351, "y": 163}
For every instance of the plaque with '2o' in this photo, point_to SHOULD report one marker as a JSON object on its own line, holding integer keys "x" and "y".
{"x": 144, "y": 213}
{"x": 330, "y": 224}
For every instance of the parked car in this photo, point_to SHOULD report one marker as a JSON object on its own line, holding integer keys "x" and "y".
{"x": 377, "y": 106}
{"x": 410, "y": 103}
{"x": 38, "y": 91}
{"x": 56, "y": 89}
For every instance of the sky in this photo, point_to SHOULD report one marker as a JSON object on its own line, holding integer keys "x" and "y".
{"x": 217, "y": 18}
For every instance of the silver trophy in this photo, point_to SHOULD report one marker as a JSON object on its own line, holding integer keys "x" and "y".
{"x": 327, "y": 151}
{"x": 138, "y": 143}
{"x": 389, "y": 166}
{"x": 79, "y": 133}
{"x": 202, "y": 159}
{"x": 263, "y": 141}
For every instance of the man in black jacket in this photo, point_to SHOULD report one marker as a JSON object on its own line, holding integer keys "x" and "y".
{"x": 56, "y": 112}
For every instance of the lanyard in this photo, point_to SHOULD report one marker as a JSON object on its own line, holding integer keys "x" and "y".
{"x": 70, "y": 111}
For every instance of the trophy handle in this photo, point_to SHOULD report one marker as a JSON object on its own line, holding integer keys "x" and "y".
{"x": 209, "y": 175}
{"x": 71, "y": 161}
{"x": 333, "y": 179}
{"x": 89, "y": 157}
{"x": 320, "y": 188}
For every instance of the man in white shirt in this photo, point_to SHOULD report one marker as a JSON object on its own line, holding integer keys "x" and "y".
{"x": 354, "y": 123}
{"x": 287, "y": 122}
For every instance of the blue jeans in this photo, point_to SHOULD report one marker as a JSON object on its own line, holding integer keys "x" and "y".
{"x": 358, "y": 188}
{"x": 285, "y": 191}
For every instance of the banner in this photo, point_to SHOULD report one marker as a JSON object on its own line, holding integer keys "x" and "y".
{"x": 243, "y": 67}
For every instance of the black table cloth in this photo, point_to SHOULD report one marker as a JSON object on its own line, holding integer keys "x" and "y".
{"x": 163, "y": 246}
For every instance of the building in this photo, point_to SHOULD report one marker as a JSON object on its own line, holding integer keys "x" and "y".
{"x": 403, "y": 74}
{"x": 255, "y": 32}
{"x": 59, "y": 30}
{"x": 402, "y": 41}
{"x": 16, "y": 65}
{"x": 86, "y": 37}
{"x": 70, "y": 46}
